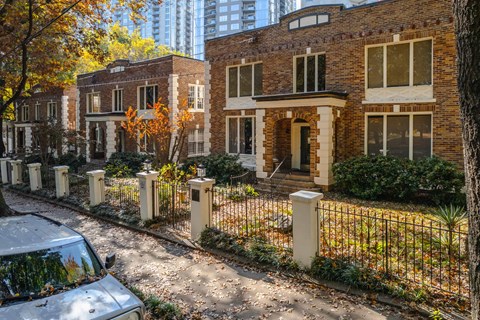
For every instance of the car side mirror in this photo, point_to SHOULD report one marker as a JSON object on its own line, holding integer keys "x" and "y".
{"x": 110, "y": 260}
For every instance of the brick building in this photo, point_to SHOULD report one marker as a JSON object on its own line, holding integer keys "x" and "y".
{"x": 55, "y": 103}
{"x": 327, "y": 83}
{"x": 105, "y": 95}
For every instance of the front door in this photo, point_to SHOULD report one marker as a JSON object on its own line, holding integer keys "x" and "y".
{"x": 305, "y": 148}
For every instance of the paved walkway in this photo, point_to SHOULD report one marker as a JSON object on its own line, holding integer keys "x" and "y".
{"x": 205, "y": 286}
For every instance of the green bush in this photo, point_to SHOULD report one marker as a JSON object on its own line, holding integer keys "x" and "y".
{"x": 125, "y": 164}
{"x": 161, "y": 309}
{"x": 219, "y": 166}
{"x": 72, "y": 160}
{"x": 376, "y": 177}
{"x": 442, "y": 180}
{"x": 380, "y": 177}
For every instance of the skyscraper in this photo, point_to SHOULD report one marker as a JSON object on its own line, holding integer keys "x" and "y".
{"x": 170, "y": 23}
{"x": 224, "y": 17}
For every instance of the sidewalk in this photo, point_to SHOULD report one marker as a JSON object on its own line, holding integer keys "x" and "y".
{"x": 205, "y": 286}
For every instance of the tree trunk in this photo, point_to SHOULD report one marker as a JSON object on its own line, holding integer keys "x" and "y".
{"x": 4, "y": 208}
{"x": 2, "y": 145}
{"x": 467, "y": 25}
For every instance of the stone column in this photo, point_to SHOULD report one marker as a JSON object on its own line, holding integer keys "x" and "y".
{"x": 110, "y": 135}
{"x": 145, "y": 183}
{"x": 28, "y": 139}
{"x": 35, "y": 176}
{"x": 260, "y": 139}
{"x": 62, "y": 184}
{"x": 201, "y": 205}
{"x": 96, "y": 181}
{"x": 4, "y": 169}
{"x": 16, "y": 171}
{"x": 305, "y": 226}
{"x": 325, "y": 152}
{"x": 87, "y": 141}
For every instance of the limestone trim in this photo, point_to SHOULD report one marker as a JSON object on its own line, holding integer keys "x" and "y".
{"x": 207, "y": 116}
{"x": 173, "y": 106}
{"x": 64, "y": 112}
{"x": 110, "y": 139}
{"x": 260, "y": 140}
{"x": 301, "y": 103}
{"x": 87, "y": 140}
{"x": 325, "y": 143}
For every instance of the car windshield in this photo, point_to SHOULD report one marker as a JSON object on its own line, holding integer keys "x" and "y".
{"x": 45, "y": 272}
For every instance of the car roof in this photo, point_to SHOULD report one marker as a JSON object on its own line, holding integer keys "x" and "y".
{"x": 26, "y": 233}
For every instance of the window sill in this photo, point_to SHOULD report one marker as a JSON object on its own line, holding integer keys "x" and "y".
{"x": 410, "y": 94}
{"x": 196, "y": 110}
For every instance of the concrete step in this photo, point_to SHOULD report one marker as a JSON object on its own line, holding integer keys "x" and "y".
{"x": 284, "y": 187}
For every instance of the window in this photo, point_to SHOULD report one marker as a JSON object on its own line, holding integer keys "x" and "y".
{"x": 245, "y": 80}
{"x": 195, "y": 142}
{"x": 234, "y": 26}
{"x": 222, "y": 27}
{"x": 223, "y": 9}
{"x": 223, "y": 18}
{"x": 309, "y": 73}
{"x": 196, "y": 94}
{"x": 241, "y": 132}
{"x": 37, "y": 111}
{"x": 235, "y": 16}
{"x": 235, "y": 7}
{"x": 405, "y": 136}
{"x": 117, "y": 100}
{"x": 52, "y": 110}
{"x": 147, "y": 96}
{"x": 25, "y": 111}
{"x": 399, "y": 65}
{"x": 93, "y": 102}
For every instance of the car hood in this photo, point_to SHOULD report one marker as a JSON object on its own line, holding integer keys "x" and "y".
{"x": 100, "y": 300}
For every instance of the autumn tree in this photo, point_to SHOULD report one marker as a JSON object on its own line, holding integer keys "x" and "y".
{"x": 118, "y": 43}
{"x": 158, "y": 126}
{"x": 467, "y": 26}
{"x": 41, "y": 41}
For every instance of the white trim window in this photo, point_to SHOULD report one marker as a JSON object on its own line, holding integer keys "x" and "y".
{"x": 147, "y": 96}
{"x": 25, "y": 112}
{"x": 245, "y": 80}
{"x": 241, "y": 135}
{"x": 117, "y": 100}
{"x": 196, "y": 96}
{"x": 309, "y": 73}
{"x": 52, "y": 110}
{"x": 93, "y": 102}
{"x": 37, "y": 111}
{"x": 400, "y": 135}
{"x": 195, "y": 142}
{"x": 401, "y": 64}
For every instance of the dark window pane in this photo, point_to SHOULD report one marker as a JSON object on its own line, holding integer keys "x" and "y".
{"x": 398, "y": 62}
{"x": 232, "y": 135}
{"x": 375, "y": 67}
{"x": 398, "y": 136}
{"x": 232, "y": 83}
{"x": 422, "y": 136}
{"x": 375, "y": 135}
{"x": 246, "y": 137}
{"x": 258, "y": 84}
{"x": 246, "y": 81}
{"x": 142, "y": 98}
{"x": 311, "y": 73}
{"x": 321, "y": 72}
{"x": 422, "y": 63}
{"x": 300, "y": 76}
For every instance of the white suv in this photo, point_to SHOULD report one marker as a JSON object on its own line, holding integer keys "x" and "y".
{"x": 48, "y": 271}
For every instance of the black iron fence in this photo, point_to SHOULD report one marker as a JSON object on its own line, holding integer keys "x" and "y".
{"x": 249, "y": 177}
{"x": 171, "y": 201}
{"x": 245, "y": 213}
{"x": 25, "y": 174}
{"x": 78, "y": 185}
{"x": 48, "y": 177}
{"x": 418, "y": 250}
{"x": 123, "y": 194}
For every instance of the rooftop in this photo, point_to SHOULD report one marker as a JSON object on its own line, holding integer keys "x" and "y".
{"x": 26, "y": 233}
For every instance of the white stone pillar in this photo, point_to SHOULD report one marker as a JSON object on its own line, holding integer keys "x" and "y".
{"x": 28, "y": 139}
{"x": 64, "y": 112}
{"x": 16, "y": 171}
{"x": 35, "y": 176}
{"x": 4, "y": 169}
{"x": 325, "y": 152}
{"x": 207, "y": 115}
{"x": 173, "y": 103}
{"x": 260, "y": 139}
{"x": 62, "y": 184}
{"x": 305, "y": 226}
{"x": 110, "y": 138}
{"x": 145, "y": 183}
{"x": 96, "y": 181}
{"x": 201, "y": 206}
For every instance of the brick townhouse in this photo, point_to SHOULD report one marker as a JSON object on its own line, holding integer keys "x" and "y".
{"x": 327, "y": 83}
{"x": 105, "y": 95}
{"x": 57, "y": 103}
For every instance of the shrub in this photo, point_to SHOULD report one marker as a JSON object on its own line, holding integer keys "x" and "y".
{"x": 125, "y": 164}
{"x": 219, "y": 166}
{"x": 376, "y": 177}
{"x": 72, "y": 160}
{"x": 161, "y": 309}
{"x": 442, "y": 179}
